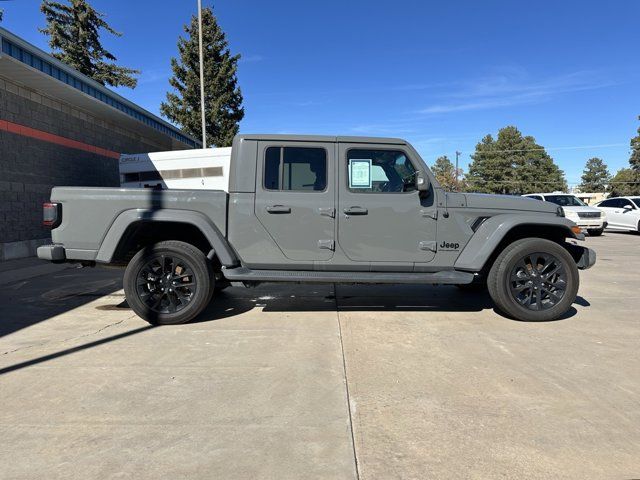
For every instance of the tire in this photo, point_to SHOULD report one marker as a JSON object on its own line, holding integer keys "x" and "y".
{"x": 161, "y": 299}
{"x": 595, "y": 232}
{"x": 534, "y": 295}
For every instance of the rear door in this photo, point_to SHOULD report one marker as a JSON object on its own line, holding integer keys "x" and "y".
{"x": 295, "y": 198}
{"x": 381, "y": 217}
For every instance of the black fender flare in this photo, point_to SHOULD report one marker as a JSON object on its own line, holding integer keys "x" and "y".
{"x": 489, "y": 235}
{"x": 128, "y": 217}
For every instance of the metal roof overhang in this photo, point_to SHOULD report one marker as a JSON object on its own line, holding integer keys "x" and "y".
{"x": 21, "y": 73}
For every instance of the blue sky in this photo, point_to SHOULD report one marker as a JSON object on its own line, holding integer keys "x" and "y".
{"x": 440, "y": 74}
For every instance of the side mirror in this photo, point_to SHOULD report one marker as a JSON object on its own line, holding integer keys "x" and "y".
{"x": 626, "y": 208}
{"x": 422, "y": 182}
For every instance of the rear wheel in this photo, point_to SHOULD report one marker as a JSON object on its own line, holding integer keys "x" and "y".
{"x": 168, "y": 283}
{"x": 595, "y": 232}
{"x": 534, "y": 280}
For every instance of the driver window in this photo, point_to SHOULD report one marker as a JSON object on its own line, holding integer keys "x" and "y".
{"x": 380, "y": 171}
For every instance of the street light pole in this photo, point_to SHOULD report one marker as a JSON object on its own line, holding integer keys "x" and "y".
{"x": 202, "y": 109}
{"x": 457, "y": 184}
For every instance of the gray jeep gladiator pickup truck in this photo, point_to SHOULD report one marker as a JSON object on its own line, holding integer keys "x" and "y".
{"x": 320, "y": 209}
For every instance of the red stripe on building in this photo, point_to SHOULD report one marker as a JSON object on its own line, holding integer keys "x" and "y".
{"x": 8, "y": 126}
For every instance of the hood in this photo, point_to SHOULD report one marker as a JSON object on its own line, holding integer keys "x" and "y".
{"x": 509, "y": 202}
{"x": 581, "y": 209}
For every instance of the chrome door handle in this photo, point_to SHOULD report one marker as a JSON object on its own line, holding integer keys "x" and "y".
{"x": 278, "y": 209}
{"x": 356, "y": 211}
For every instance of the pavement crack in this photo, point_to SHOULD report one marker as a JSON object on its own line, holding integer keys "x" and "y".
{"x": 42, "y": 344}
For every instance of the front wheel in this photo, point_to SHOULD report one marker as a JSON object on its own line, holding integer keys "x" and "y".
{"x": 168, "y": 283}
{"x": 595, "y": 232}
{"x": 534, "y": 280}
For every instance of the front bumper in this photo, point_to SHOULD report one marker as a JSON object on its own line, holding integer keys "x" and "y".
{"x": 587, "y": 258}
{"x": 589, "y": 224}
{"x": 53, "y": 253}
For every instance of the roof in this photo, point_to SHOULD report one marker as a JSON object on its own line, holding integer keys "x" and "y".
{"x": 322, "y": 138}
{"x": 36, "y": 69}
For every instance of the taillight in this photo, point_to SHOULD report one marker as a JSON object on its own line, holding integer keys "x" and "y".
{"x": 51, "y": 215}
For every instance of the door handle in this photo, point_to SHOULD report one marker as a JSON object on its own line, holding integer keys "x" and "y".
{"x": 278, "y": 209}
{"x": 356, "y": 211}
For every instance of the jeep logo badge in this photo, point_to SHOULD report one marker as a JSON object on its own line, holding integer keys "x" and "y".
{"x": 449, "y": 246}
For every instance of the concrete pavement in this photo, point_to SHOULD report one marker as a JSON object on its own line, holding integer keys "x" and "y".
{"x": 277, "y": 382}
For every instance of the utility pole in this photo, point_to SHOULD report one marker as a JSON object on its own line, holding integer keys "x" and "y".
{"x": 457, "y": 184}
{"x": 202, "y": 109}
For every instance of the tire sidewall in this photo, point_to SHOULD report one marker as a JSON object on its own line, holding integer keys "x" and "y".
{"x": 198, "y": 264}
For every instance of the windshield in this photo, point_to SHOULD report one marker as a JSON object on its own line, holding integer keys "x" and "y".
{"x": 636, "y": 200}
{"x": 565, "y": 200}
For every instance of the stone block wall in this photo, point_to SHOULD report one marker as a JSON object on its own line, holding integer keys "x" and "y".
{"x": 30, "y": 165}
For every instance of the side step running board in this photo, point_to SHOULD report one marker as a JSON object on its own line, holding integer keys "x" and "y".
{"x": 243, "y": 274}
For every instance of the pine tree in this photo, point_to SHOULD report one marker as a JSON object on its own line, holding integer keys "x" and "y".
{"x": 513, "y": 164}
{"x": 595, "y": 176}
{"x": 634, "y": 160}
{"x": 74, "y": 37}
{"x": 223, "y": 99}
{"x": 626, "y": 182}
{"x": 1, "y": 14}
{"x": 445, "y": 173}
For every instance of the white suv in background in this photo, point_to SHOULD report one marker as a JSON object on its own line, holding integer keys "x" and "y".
{"x": 623, "y": 213}
{"x": 588, "y": 218}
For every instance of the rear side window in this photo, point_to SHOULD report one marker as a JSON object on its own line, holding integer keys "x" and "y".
{"x": 380, "y": 171}
{"x": 609, "y": 203}
{"x": 295, "y": 169}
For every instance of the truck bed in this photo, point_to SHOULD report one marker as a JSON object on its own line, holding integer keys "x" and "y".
{"x": 89, "y": 212}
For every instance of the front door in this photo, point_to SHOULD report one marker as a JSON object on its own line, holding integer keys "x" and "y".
{"x": 627, "y": 214}
{"x": 295, "y": 198}
{"x": 382, "y": 218}
{"x": 609, "y": 208}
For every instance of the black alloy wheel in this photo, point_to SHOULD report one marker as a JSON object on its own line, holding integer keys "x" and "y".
{"x": 166, "y": 284}
{"x": 538, "y": 281}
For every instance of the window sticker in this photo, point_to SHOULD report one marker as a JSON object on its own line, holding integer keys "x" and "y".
{"x": 360, "y": 173}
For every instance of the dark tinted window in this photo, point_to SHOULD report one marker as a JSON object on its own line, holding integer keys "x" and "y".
{"x": 623, "y": 202}
{"x": 608, "y": 203}
{"x": 636, "y": 200}
{"x": 295, "y": 168}
{"x": 380, "y": 171}
{"x": 272, "y": 168}
{"x": 565, "y": 200}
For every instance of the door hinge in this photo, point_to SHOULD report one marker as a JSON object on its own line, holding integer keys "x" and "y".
{"x": 327, "y": 212}
{"x": 327, "y": 244}
{"x": 432, "y": 213}
{"x": 427, "y": 246}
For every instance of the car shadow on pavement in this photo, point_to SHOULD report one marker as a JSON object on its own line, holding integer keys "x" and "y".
{"x": 358, "y": 298}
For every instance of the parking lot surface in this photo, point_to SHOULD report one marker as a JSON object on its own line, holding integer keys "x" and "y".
{"x": 344, "y": 382}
